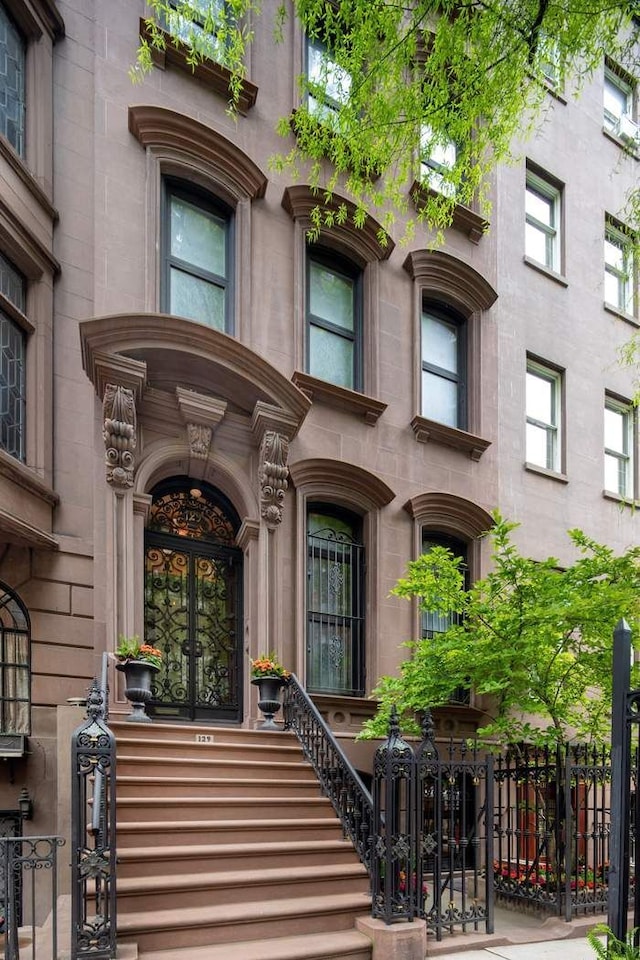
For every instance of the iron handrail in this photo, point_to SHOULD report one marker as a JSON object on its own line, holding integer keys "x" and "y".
{"x": 97, "y": 813}
{"x": 339, "y": 780}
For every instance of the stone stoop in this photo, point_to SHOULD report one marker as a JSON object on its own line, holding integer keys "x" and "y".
{"x": 225, "y": 843}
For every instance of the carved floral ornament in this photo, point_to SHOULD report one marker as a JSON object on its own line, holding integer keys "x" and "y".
{"x": 273, "y": 474}
{"x": 199, "y": 437}
{"x": 119, "y": 432}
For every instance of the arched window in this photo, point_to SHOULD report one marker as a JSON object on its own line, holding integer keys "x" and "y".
{"x": 193, "y": 601}
{"x": 335, "y": 601}
{"x": 15, "y": 665}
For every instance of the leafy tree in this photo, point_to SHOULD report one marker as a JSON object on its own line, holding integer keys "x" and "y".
{"x": 534, "y": 637}
{"x": 416, "y": 76}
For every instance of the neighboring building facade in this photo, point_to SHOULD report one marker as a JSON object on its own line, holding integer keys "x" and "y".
{"x": 257, "y": 476}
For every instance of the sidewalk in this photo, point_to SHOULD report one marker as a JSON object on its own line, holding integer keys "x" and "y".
{"x": 520, "y": 936}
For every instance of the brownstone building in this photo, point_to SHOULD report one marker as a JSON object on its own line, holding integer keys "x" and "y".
{"x": 229, "y": 441}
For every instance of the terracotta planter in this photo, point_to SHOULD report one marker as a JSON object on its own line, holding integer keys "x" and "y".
{"x": 268, "y": 699}
{"x": 138, "y": 678}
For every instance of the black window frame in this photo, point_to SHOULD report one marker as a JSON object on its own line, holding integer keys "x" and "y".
{"x": 172, "y": 187}
{"x": 12, "y": 317}
{"x": 350, "y": 271}
{"x": 358, "y": 599}
{"x": 444, "y": 313}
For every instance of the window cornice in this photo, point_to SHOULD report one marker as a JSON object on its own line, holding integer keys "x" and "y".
{"x": 358, "y": 243}
{"x": 342, "y": 481}
{"x": 36, "y": 17}
{"x": 449, "y": 514}
{"x": 159, "y": 127}
{"x": 463, "y": 219}
{"x": 430, "y": 431}
{"x": 341, "y": 398}
{"x": 451, "y": 279}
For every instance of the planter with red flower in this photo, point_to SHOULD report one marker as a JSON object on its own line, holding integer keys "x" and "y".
{"x": 139, "y": 662}
{"x": 269, "y": 676}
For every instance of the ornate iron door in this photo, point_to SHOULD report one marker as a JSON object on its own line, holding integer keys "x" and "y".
{"x": 193, "y": 610}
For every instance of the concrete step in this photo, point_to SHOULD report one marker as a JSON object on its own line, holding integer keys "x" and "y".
{"x": 254, "y": 883}
{"x": 232, "y": 923}
{"x": 341, "y": 945}
{"x": 207, "y": 766}
{"x": 205, "y": 732}
{"x": 155, "y": 833}
{"x": 156, "y": 786}
{"x": 207, "y": 858}
{"x": 221, "y": 808}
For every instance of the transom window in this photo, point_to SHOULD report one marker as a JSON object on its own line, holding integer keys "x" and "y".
{"x": 542, "y": 216}
{"x": 619, "y": 447}
{"x": 12, "y": 85}
{"x": 543, "y": 398}
{"x": 197, "y": 258}
{"x": 335, "y": 602}
{"x": 438, "y": 157}
{"x": 334, "y": 321}
{"x": 443, "y": 367}
{"x": 329, "y": 83}
{"x": 13, "y": 354}
{"x": 619, "y": 268}
{"x": 618, "y": 94}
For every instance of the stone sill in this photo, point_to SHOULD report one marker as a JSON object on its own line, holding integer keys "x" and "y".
{"x": 26, "y": 478}
{"x": 544, "y": 472}
{"x": 619, "y": 142}
{"x": 341, "y": 398}
{"x": 465, "y": 219}
{"x": 19, "y": 167}
{"x": 546, "y": 271}
{"x": 623, "y": 501}
{"x": 429, "y": 431}
{"x": 211, "y": 73}
{"x": 621, "y": 314}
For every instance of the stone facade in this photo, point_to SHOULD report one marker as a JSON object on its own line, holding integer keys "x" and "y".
{"x": 122, "y": 396}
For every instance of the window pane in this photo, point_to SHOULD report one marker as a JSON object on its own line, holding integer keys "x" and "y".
{"x": 540, "y": 207}
{"x": 12, "y": 284}
{"x": 335, "y": 81}
{"x": 540, "y": 398}
{"x": 331, "y": 296}
{"x": 537, "y": 244}
{"x": 439, "y": 399}
{"x": 614, "y": 254}
{"x": 11, "y": 83}
{"x": 197, "y": 299}
{"x": 198, "y": 237}
{"x": 538, "y": 445}
{"x": 330, "y": 357}
{"x": 12, "y": 387}
{"x": 193, "y": 32}
{"x": 615, "y": 430}
{"x": 439, "y": 343}
{"x": 616, "y": 98}
{"x": 615, "y": 474}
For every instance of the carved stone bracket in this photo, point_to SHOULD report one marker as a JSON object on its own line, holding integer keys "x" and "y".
{"x": 201, "y": 414}
{"x": 119, "y": 432}
{"x": 273, "y": 474}
{"x": 272, "y": 428}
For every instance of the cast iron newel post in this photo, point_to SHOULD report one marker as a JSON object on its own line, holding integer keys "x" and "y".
{"x": 620, "y": 774}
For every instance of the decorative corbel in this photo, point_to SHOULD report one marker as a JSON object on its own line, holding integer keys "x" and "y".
{"x": 119, "y": 432}
{"x": 272, "y": 427}
{"x": 201, "y": 415}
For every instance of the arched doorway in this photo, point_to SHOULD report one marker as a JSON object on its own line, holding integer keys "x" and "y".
{"x": 193, "y": 601}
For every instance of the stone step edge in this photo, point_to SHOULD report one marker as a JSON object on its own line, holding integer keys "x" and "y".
{"x": 128, "y": 780}
{"x": 224, "y": 850}
{"x": 231, "y": 914}
{"x": 252, "y": 877}
{"x": 152, "y": 826}
{"x": 217, "y": 761}
{"x": 293, "y": 747}
{"x": 119, "y": 723}
{"x": 214, "y": 803}
{"x": 312, "y": 946}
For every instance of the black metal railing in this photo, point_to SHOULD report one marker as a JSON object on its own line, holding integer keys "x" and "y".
{"x": 93, "y": 831}
{"x": 552, "y": 828}
{"x": 433, "y": 854}
{"x": 29, "y": 881}
{"x": 340, "y": 782}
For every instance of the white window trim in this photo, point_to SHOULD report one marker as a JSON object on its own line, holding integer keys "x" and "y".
{"x": 628, "y": 455}
{"x": 554, "y": 430}
{"x": 544, "y": 188}
{"x": 612, "y": 78}
{"x": 627, "y": 277}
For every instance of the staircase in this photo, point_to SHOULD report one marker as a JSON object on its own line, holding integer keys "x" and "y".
{"x": 226, "y": 847}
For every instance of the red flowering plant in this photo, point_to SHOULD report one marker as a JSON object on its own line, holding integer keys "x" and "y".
{"x": 268, "y": 665}
{"x": 131, "y": 648}
{"x": 402, "y": 886}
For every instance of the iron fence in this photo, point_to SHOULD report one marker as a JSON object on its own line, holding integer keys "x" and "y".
{"x": 29, "y": 882}
{"x": 93, "y": 833}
